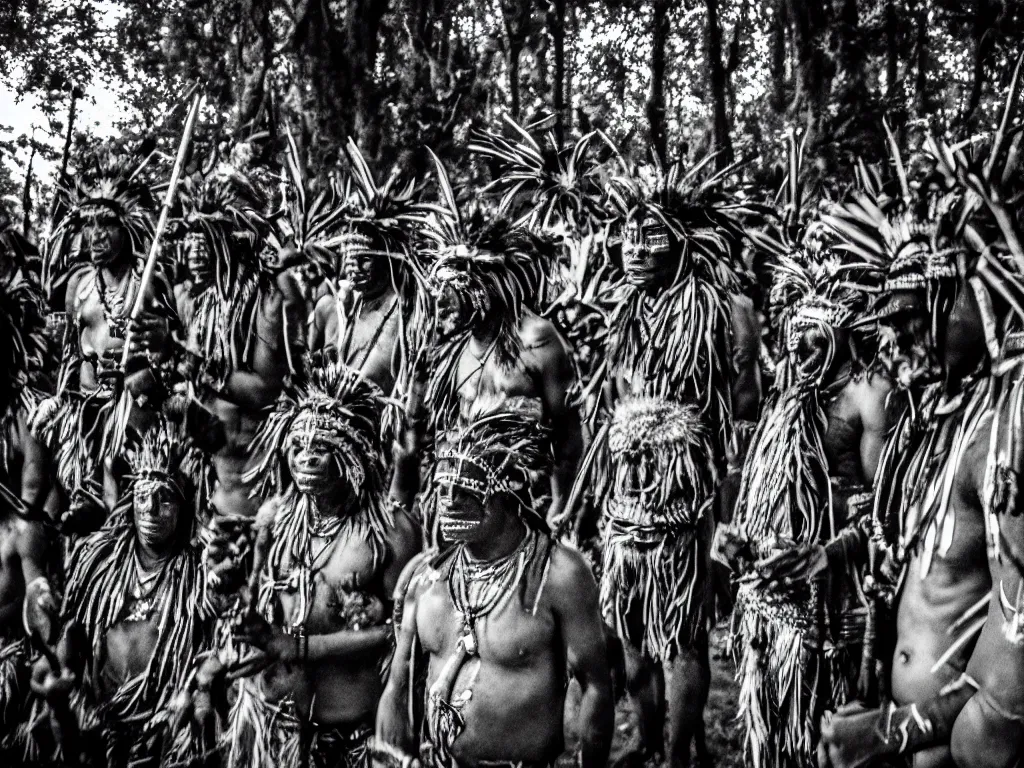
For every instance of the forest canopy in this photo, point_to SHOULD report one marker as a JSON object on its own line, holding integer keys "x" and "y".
{"x": 670, "y": 76}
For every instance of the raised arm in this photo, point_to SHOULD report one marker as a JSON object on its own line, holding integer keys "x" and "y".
{"x": 575, "y": 599}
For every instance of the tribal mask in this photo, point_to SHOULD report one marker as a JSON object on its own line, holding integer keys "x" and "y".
{"x": 492, "y": 455}
{"x": 646, "y": 248}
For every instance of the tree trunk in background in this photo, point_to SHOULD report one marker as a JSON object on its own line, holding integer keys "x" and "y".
{"x": 922, "y": 104}
{"x": 722, "y": 144}
{"x": 556, "y": 27}
{"x": 656, "y": 96}
{"x": 516, "y": 15}
{"x": 254, "y": 54}
{"x": 777, "y": 52}
{"x": 812, "y": 70}
{"x": 26, "y": 193}
{"x": 892, "y": 55}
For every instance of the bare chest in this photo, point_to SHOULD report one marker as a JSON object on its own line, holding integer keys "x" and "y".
{"x": 345, "y": 587}
{"x": 510, "y": 637}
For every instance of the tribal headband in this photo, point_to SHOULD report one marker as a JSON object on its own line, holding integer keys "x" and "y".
{"x": 111, "y": 185}
{"x": 502, "y": 443}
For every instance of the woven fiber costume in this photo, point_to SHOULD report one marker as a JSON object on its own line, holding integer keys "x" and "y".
{"x": 222, "y": 212}
{"x": 490, "y": 454}
{"x": 114, "y": 592}
{"x": 795, "y": 491}
{"x": 76, "y": 421}
{"x": 334, "y": 419}
{"x": 665, "y": 444}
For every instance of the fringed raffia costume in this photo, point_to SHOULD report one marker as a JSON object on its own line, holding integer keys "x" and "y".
{"x": 338, "y": 413}
{"x": 663, "y": 451}
{"x": 801, "y": 486}
{"x": 128, "y": 714}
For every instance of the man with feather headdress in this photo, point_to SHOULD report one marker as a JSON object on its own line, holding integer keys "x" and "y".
{"x": 243, "y": 316}
{"x": 135, "y": 590}
{"x": 492, "y": 627}
{"x": 947, "y": 513}
{"x": 664, "y": 446}
{"x": 804, "y": 490}
{"x": 329, "y": 550}
{"x": 803, "y": 505}
{"x": 94, "y": 255}
{"x": 369, "y": 322}
{"x": 486, "y": 274}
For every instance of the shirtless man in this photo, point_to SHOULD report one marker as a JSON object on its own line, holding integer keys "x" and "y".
{"x": 328, "y": 555}
{"x": 802, "y": 510}
{"x": 136, "y": 589}
{"x": 244, "y": 321}
{"x": 497, "y": 623}
{"x": 112, "y": 218}
{"x": 367, "y": 323}
{"x": 494, "y": 344}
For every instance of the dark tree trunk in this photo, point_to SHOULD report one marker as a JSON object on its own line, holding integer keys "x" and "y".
{"x": 813, "y": 70}
{"x": 722, "y": 142}
{"x": 922, "y": 103}
{"x": 892, "y": 59}
{"x": 516, "y": 15}
{"x": 254, "y": 54}
{"x": 556, "y": 27}
{"x": 777, "y": 46}
{"x": 656, "y": 97}
{"x": 26, "y": 194}
{"x": 983, "y": 38}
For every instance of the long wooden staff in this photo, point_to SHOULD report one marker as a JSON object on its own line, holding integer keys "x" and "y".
{"x": 124, "y": 401}
{"x": 161, "y": 224}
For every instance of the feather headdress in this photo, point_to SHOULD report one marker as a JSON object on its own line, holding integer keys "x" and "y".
{"x": 913, "y": 234}
{"x": 315, "y": 214}
{"x": 339, "y": 408}
{"x": 488, "y": 266}
{"x": 111, "y": 186}
{"x": 504, "y": 445}
{"x": 551, "y": 187}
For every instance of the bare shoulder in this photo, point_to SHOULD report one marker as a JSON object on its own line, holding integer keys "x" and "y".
{"x": 871, "y": 392}
{"x": 30, "y": 539}
{"x": 74, "y": 285}
{"x": 570, "y": 578}
{"x": 542, "y": 341}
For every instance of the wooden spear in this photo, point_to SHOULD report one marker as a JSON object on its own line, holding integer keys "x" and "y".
{"x": 124, "y": 401}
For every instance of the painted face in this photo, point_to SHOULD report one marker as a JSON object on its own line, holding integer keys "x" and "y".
{"x": 645, "y": 249}
{"x": 157, "y": 509}
{"x": 197, "y": 256}
{"x": 105, "y": 239}
{"x": 459, "y": 303}
{"x": 313, "y": 460}
{"x": 462, "y": 511}
{"x": 905, "y": 346}
{"x": 366, "y": 271}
